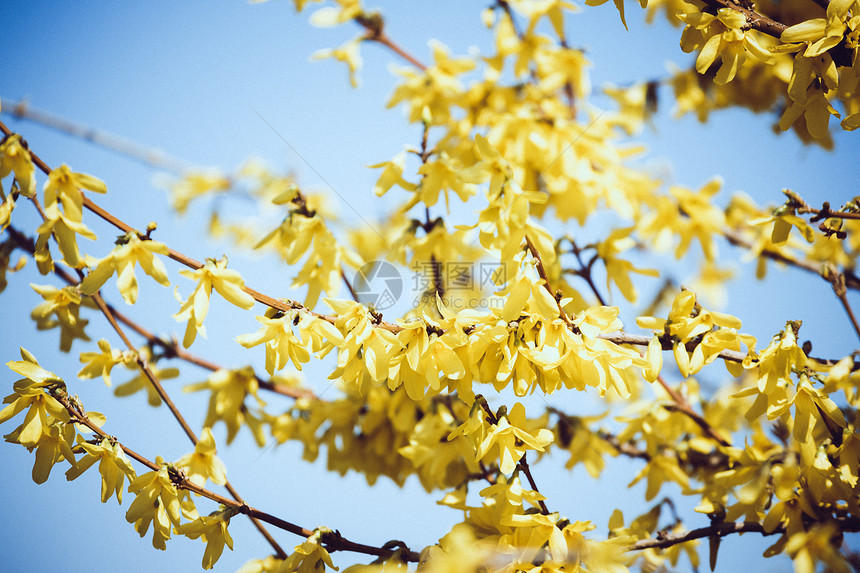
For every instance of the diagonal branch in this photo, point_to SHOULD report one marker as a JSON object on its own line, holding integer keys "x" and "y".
{"x": 335, "y": 542}
{"x": 374, "y": 27}
{"x": 754, "y": 19}
{"x": 172, "y": 348}
{"x": 146, "y": 155}
{"x": 523, "y": 464}
{"x": 724, "y": 528}
{"x": 736, "y": 238}
{"x": 156, "y": 384}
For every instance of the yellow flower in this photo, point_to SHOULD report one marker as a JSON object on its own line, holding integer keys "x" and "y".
{"x": 492, "y": 165}
{"x": 364, "y": 355}
{"x": 46, "y": 426}
{"x": 348, "y": 54}
{"x": 197, "y": 184}
{"x": 282, "y": 344}
{"x": 157, "y": 502}
{"x": 329, "y": 16}
{"x": 129, "y": 251}
{"x": 6, "y": 208}
{"x": 812, "y": 79}
{"x": 64, "y": 187}
{"x": 114, "y": 467}
{"x": 229, "y": 388}
{"x": 64, "y": 229}
{"x": 534, "y": 531}
{"x": 512, "y": 439}
{"x": 726, "y": 35}
{"x": 392, "y": 174}
{"x": 213, "y": 529}
{"x": 65, "y": 305}
{"x": 203, "y": 464}
{"x": 822, "y": 34}
{"x": 100, "y": 363}
{"x": 688, "y": 322}
{"x": 817, "y": 545}
{"x": 431, "y": 93}
{"x": 269, "y": 564}
{"x": 459, "y": 551}
{"x": 617, "y": 269}
{"x": 635, "y": 106}
{"x": 441, "y": 175}
{"x": 52, "y": 445}
{"x": 141, "y": 382}
{"x": 214, "y": 274}
{"x": 310, "y": 556}
{"x": 814, "y": 106}
{"x": 29, "y": 393}
{"x": 558, "y": 68}
{"x": 14, "y": 157}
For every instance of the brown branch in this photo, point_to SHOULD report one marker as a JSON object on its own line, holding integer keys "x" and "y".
{"x": 348, "y": 285}
{"x": 624, "y": 448}
{"x": 156, "y": 384}
{"x": 78, "y": 416}
{"x": 584, "y": 271}
{"x": 374, "y": 32}
{"x": 839, "y": 288}
{"x": 737, "y": 239}
{"x": 542, "y": 273}
{"x": 334, "y": 542}
{"x": 506, "y": 8}
{"x": 681, "y": 405}
{"x": 522, "y": 463}
{"x": 755, "y": 20}
{"x": 641, "y": 340}
{"x": 828, "y": 214}
{"x": 144, "y": 366}
{"x": 723, "y": 528}
{"x": 796, "y": 202}
{"x": 172, "y": 348}
{"x": 148, "y": 156}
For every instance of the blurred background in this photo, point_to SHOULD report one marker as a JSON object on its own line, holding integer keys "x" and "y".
{"x": 218, "y": 83}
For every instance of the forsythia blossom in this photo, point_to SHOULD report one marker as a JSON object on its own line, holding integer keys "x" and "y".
{"x": 214, "y": 275}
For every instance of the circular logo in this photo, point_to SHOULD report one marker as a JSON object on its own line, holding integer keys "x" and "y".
{"x": 378, "y": 283}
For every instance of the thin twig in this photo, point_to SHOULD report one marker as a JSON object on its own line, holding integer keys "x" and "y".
{"x": 754, "y": 19}
{"x": 144, "y": 366}
{"x": 146, "y": 155}
{"x": 153, "y": 379}
{"x": 522, "y": 463}
{"x": 348, "y": 285}
{"x": 681, "y": 405}
{"x": 156, "y": 384}
{"x": 584, "y": 271}
{"x": 334, "y": 542}
{"x": 542, "y": 273}
{"x": 172, "y": 348}
{"x": 839, "y": 288}
{"x": 737, "y": 239}
{"x": 724, "y": 528}
{"x": 374, "y": 32}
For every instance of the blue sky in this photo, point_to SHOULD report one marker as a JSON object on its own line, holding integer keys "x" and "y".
{"x": 194, "y": 79}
